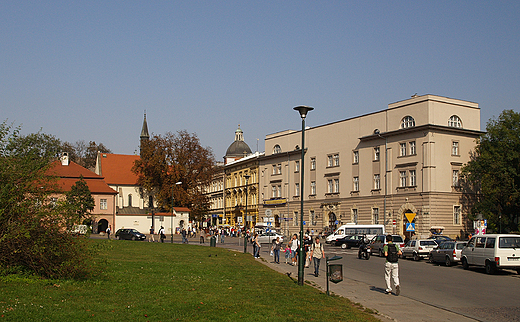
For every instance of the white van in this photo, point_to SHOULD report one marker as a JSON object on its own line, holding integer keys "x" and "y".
{"x": 493, "y": 251}
{"x": 352, "y": 229}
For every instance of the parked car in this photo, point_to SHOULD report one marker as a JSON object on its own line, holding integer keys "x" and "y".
{"x": 493, "y": 251}
{"x": 378, "y": 242}
{"x": 439, "y": 239}
{"x": 129, "y": 234}
{"x": 267, "y": 238}
{"x": 418, "y": 248}
{"x": 348, "y": 241}
{"x": 448, "y": 252}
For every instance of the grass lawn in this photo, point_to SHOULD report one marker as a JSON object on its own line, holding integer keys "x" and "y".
{"x": 164, "y": 282}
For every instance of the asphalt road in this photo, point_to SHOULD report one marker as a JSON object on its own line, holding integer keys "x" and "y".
{"x": 469, "y": 292}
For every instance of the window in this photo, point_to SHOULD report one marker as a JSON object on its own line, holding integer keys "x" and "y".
{"x": 329, "y": 161}
{"x": 103, "y": 204}
{"x": 375, "y": 216}
{"x": 336, "y": 185}
{"x": 336, "y": 160}
{"x": 413, "y": 181}
{"x": 454, "y": 148}
{"x": 455, "y": 180}
{"x": 274, "y": 168}
{"x": 356, "y": 184}
{"x": 454, "y": 121}
{"x": 402, "y": 149}
{"x": 297, "y": 166}
{"x": 313, "y": 218}
{"x": 412, "y": 148}
{"x": 130, "y": 201}
{"x": 376, "y": 153}
{"x": 279, "y": 167}
{"x": 355, "y": 157}
{"x": 313, "y": 188}
{"x": 330, "y": 186}
{"x": 407, "y": 122}
{"x": 313, "y": 163}
{"x": 354, "y": 216}
{"x": 456, "y": 215}
{"x": 296, "y": 218}
{"x": 276, "y": 191}
{"x": 377, "y": 182}
{"x": 277, "y": 149}
{"x": 297, "y": 189}
{"x": 402, "y": 176}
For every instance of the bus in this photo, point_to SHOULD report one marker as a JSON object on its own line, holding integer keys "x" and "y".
{"x": 352, "y": 229}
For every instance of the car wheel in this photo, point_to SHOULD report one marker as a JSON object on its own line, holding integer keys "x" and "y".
{"x": 134, "y": 238}
{"x": 430, "y": 259}
{"x": 343, "y": 246}
{"x": 465, "y": 263}
{"x": 416, "y": 257}
{"x": 381, "y": 254}
{"x": 447, "y": 262}
{"x": 490, "y": 269}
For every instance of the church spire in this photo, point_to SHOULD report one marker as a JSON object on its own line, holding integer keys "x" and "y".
{"x": 144, "y": 131}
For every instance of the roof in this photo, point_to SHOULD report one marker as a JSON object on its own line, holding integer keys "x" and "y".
{"x": 69, "y": 174}
{"x": 117, "y": 168}
{"x": 238, "y": 149}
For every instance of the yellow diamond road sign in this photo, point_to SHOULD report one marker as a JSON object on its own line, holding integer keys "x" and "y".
{"x": 410, "y": 216}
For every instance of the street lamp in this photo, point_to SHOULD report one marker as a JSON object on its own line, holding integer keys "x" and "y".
{"x": 245, "y": 219}
{"x": 376, "y": 132}
{"x": 171, "y": 226}
{"x": 303, "y": 110}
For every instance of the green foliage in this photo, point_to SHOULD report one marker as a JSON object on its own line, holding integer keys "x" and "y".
{"x": 165, "y": 282}
{"x": 83, "y": 154}
{"x": 494, "y": 171}
{"x": 79, "y": 202}
{"x": 33, "y": 235}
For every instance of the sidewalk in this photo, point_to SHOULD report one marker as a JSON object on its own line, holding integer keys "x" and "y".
{"x": 388, "y": 307}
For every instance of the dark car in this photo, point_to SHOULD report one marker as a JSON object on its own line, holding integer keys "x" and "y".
{"x": 129, "y": 234}
{"x": 348, "y": 241}
{"x": 448, "y": 252}
{"x": 439, "y": 239}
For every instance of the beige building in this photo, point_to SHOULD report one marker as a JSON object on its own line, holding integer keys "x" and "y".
{"x": 375, "y": 169}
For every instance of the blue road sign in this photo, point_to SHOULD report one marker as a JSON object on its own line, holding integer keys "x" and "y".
{"x": 410, "y": 226}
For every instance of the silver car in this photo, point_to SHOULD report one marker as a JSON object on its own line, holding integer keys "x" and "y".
{"x": 267, "y": 238}
{"x": 418, "y": 248}
{"x": 448, "y": 252}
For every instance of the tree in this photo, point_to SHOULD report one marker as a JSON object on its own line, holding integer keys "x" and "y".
{"x": 84, "y": 155}
{"x": 494, "y": 172}
{"x": 79, "y": 202}
{"x": 33, "y": 233}
{"x": 166, "y": 160}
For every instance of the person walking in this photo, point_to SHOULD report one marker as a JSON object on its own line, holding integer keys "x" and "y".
{"x": 202, "y": 236}
{"x": 162, "y": 235}
{"x": 392, "y": 253}
{"x": 275, "y": 248}
{"x": 183, "y": 234}
{"x": 108, "y": 231}
{"x": 151, "y": 239}
{"x": 295, "y": 243}
{"x": 256, "y": 246}
{"x": 317, "y": 253}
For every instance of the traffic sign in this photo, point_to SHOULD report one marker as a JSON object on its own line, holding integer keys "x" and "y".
{"x": 410, "y": 216}
{"x": 410, "y": 227}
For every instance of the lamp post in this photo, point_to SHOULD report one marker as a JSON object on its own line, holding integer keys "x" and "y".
{"x": 303, "y": 110}
{"x": 245, "y": 219}
{"x": 376, "y": 132}
{"x": 171, "y": 226}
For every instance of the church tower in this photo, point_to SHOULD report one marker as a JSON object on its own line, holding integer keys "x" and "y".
{"x": 145, "y": 136}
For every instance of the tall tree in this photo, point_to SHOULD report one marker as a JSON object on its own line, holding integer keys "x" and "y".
{"x": 84, "y": 155}
{"x": 166, "y": 160}
{"x": 494, "y": 172}
{"x": 79, "y": 202}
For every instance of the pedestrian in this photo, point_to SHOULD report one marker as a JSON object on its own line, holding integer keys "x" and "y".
{"x": 202, "y": 236}
{"x": 183, "y": 234}
{"x": 275, "y": 248}
{"x": 392, "y": 253}
{"x": 151, "y": 239}
{"x": 295, "y": 244}
{"x": 256, "y": 246}
{"x": 108, "y": 231}
{"x": 317, "y": 253}
{"x": 162, "y": 235}
{"x": 287, "y": 252}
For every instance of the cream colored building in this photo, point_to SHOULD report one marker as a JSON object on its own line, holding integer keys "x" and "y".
{"x": 375, "y": 169}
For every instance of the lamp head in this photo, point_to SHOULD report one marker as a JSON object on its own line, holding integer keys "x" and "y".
{"x": 303, "y": 110}
{"x": 376, "y": 131}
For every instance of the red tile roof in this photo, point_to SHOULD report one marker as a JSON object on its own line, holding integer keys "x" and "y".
{"x": 69, "y": 174}
{"x": 117, "y": 168}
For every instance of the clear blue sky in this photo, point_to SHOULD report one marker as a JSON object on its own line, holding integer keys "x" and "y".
{"x": 87, "y": 70}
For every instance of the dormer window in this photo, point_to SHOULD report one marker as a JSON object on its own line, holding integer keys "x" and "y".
{"x": 407, "y": 122}
{"x": 455, "y": 121}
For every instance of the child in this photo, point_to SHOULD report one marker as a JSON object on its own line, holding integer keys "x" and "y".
{"x": 287, "y": 251}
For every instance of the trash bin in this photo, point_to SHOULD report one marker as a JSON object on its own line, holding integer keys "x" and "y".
{"x": 213, "y": 241}
{"x": 335, "y": 273}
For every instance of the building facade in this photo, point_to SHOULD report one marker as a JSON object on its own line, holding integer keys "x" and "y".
{"x": 399, "y": 167}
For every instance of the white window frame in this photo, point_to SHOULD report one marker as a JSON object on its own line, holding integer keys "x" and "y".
{"x": 336, "y": 185}
{"x": 354, "y": 216}
{"x": 402, "y": 179}
{"x": 454, "y": 121}
{"x": 355, "y": 157}
{"x": 375, "y": 216}
{"x": 377, "y": 182}
{"x": 355, "y": 184}
{"x": 329, "y": 160}
{"x": 313, "y": 188}
{"x": 377, "y": 153}
{"x": 336, "y": 160}
{"x": 402, "y": 149}
{"x": 297, "y": 166}
{"x": 413, "y": 150}
{"x": 296, "y": 189}
{"x": 103, "y": 204}
{"x": 455, "y": 178}
{"x": 313, "y": 163}
{"x": 407, "y": 122}
{"x": 413, "y": 178}
{"x": 455, "y": 148}
{"x": 457, "y": 215}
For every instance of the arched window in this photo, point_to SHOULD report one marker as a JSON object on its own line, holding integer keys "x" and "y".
{"x": 277, "y": 149}
{"x": 129, "y": 200}
{"x": 407, "y": 122}
{"x": 454, "y": 121}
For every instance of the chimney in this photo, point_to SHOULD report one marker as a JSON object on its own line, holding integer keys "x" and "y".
{"x": 65, "y": 158}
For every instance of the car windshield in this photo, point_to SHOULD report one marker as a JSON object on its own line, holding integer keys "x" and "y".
{"x": 509, "y": 242}
{"x": 428, "y": 243}
{"x": 133, "y": 231}
{"x": 461, "y": 245}
{"x": 397, "y": 239}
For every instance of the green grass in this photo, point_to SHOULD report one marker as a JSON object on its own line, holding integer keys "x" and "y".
{"x": 165, "y": 282}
